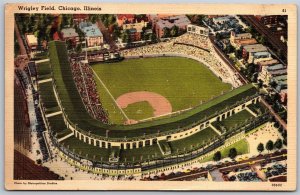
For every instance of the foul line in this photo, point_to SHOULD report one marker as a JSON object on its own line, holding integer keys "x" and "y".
{"x": 112, "y": 97}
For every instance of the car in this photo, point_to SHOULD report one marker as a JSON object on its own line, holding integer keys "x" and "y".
{"x": 187, "y": 171}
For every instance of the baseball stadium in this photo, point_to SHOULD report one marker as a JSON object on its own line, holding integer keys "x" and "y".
{"x": 157, "y": 106}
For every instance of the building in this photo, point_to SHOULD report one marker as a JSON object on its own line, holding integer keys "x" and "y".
{"x": 267, "y": 63}
{"x": 124, "y": 18}
{"x": 249, "y": 50}
{"x": 195, "y": 29}
{"x": 221, "y": 20}
{"x": 268, "y": 19}
{"x": 32, "y": 42}
{"x": 153, "y": 18}
{"x": 77, "y": 18}
{"x": 283, "y": 96}
{"x": 261, "y": 56}
{"x": 265, "y": 75}
{"x": 136, "y": 25}
{"x": 243, "y": 39}
{"x": 181, "y": 21}
{"x": 70, "y": 34}
{"x": 93, "y": 35}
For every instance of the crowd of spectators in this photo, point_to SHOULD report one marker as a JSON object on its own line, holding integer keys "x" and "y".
{"x": 40, "y": 128}
{"x": 86, "y": 85}
{"x": 190, "y": 45}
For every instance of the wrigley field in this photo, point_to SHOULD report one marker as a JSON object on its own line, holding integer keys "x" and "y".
{"x": 150, "y": 97}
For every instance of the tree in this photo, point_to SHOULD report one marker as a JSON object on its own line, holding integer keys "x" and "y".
{"x": 218, "y": 36}
{"x": 78, "y": 48}
{"x": 285, "y": 141}
{"x": 260, "y": 83}
{"x": 174, "y": 31}
{"x": 232, "y": 153}
{"x": 262, "y": 40}
{"x": 270, "y": 145}
{"x": 238, "y": 53}
{"x": 278, "y": 144}
{"x": 217, "y": 156}
{"x": 260, "y": 147}
{"x": 153, "y": 37}
{"x": 125, "y": 36}
{"x": 229, "y": 49}
{"x": 166, "y": 32}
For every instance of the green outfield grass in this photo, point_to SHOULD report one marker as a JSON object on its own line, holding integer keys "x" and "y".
{"x": 184, "y": 82}
{"x": 139, "y": 110}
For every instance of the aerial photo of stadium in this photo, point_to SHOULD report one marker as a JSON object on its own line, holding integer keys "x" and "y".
{"x": 150, "y": 97}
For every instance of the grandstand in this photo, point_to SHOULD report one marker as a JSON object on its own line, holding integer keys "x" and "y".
{"x": 79, "y": 135}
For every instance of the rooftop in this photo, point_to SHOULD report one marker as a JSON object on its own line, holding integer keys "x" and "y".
{"x": 261, "y": 53}
{"x": 268, "y": 62}
{"x": 90, "y": 30}
{"x": 32, "y": 39}
{"x": 242, "y": 35}
{"x": 278, "y": 72}
{"x": 276, "y": 67}
{"x": 69, "y": 32}
{"x": 123, "y": 16}
{"x": 280, "y": 78}
{"x": 244, "y": 42}
{"x": 255, "y": 48}
{"x": 180, "y": 20}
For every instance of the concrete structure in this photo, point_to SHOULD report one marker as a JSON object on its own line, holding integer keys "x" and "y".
{"x": 199, "y": 30}
{"x": 92, "y": 33}
{"x": 181, "y": 21}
